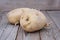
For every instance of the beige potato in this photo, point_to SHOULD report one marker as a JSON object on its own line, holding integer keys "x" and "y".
{"x": 32, "y": 20}
{"x": 14, "y": 16}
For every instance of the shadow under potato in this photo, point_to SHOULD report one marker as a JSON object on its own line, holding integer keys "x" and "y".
{"x": 43, "y": 29}
{"x": 13, "y": 24}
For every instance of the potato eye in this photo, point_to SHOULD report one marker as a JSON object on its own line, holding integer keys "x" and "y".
{"x": 27, "y": 19}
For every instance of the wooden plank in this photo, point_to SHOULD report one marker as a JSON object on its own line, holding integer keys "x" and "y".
{"x": 31, "y": 36}
{"x": 19, "y": 34}
{"x": 0, "y": 22}
{"x": 3, "y": 22}
{"x": 38, "y": 4}
{"x": 22, "y": 35}
{"x": 49, "y": 32}
{"x": 45, "y": 34}
{"x": 12, "y": 34}
{"x": 0, "y": 16}
{"x": 55, "y": 15}
{"x": 1, "y": 32}
{"x": 8, "y": 31}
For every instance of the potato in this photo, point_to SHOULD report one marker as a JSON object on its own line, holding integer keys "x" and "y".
{"x": 32, "y": 20}
{"x": 14, "y": 16}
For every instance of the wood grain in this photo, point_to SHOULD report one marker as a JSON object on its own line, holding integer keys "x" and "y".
{"x": 23, "y": 35}
{"x": 55, "y": 15}
{"x": 37, "y": 4}
{"x": 31, "y": 36}
{"x": 47, "y": 32}
{"x": 7, "y": 31}
{"x": 19, "y": 34}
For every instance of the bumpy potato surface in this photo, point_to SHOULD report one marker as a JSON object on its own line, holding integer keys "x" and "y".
{"x": 32, "y": 20}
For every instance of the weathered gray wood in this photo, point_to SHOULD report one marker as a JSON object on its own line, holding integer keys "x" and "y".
{"x": 3, "y": 24}
{"x": 0, "y": 16}
{"x": 22, "y": 35}
{"x": 7, "y": 31}
{"x": 49, "y": 32}
{"x": 19, "y": 34}
{"x": 1, "y": 32}
{"x": 38, "y": 4}
{"x": 13, "y": 33}
{"x": 0, "y": 22}
{"x": 55, "y": 15}
{"x": 31, "y": 36}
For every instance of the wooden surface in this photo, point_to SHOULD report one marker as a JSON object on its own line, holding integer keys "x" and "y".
{"x": 7, "y": 31}
{"x": 38, "y": 4}
{"x": 11, "y": 32}
{"x": 50, "y": 33}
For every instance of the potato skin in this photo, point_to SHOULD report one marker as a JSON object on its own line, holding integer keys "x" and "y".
{"x": 32, "y": 20}
{"x": 14, "y": 16}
